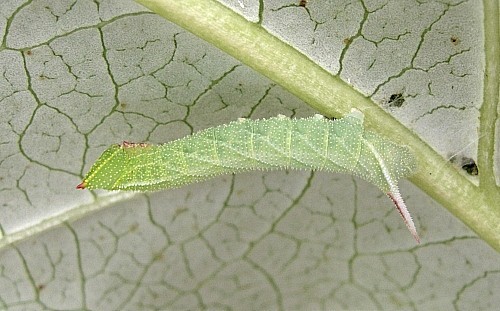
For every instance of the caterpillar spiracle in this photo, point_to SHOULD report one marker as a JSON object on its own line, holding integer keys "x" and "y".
{"x": 313, "y": 143}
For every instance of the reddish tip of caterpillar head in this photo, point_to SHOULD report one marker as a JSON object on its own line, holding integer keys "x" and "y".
{"x": 81, "y": 185}
{"x": 128, "y": 144}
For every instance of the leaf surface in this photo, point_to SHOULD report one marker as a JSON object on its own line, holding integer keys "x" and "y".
{"x": 79, "y": 76}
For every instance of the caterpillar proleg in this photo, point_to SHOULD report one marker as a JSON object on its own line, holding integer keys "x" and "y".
{"x": 314, "y": 143}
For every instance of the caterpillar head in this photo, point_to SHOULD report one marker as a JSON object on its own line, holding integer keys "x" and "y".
{"x": 110, "y": 166}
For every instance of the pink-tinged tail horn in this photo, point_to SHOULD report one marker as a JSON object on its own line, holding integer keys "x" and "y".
{"x": 403, "y": 211}
{"x": 81, "y": 185}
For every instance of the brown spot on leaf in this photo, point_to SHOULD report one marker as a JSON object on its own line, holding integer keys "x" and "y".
{"x": 455, "y": 40}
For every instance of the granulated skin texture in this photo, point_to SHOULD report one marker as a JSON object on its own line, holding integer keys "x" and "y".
{"x": 314, "y": 143}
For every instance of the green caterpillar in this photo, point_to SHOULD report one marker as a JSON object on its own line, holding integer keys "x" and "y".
{"x": 314, "y": 143}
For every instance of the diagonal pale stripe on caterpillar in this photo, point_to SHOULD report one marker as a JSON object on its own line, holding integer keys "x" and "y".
{"x": 314, "y": 143}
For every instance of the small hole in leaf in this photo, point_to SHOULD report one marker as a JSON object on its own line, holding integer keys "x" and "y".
{"x": 396, "y": 100}
{"x": 467, "y": 164}
{"x": 470, "y": 167}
